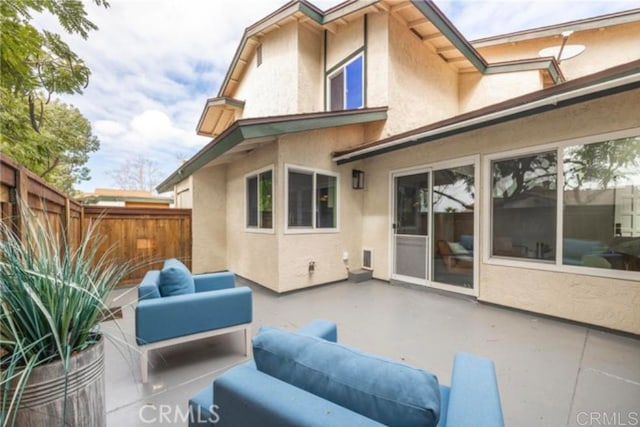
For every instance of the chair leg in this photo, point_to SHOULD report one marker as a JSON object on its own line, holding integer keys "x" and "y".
{"x": 247, "y": 341}
{"x": 144, "y": 365}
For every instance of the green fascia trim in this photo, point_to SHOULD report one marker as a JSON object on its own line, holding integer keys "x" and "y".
{"x": 548, "y": 65}
{"x": 465, "y": 48}
{"x": 244, "y": 132}
{"x": 311, "y": 13}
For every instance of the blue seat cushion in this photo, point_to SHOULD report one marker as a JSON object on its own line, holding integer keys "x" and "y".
{"x": 384, "y": 390}
{"x": 175, "y": 279}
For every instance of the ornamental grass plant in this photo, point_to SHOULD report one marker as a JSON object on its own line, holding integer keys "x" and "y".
{"x": 53, "y": 296}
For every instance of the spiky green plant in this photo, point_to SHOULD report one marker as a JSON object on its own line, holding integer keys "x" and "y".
{"x": 52, "y": 299}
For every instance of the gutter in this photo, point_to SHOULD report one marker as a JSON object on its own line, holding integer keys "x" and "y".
{"x": 487, "y": 119}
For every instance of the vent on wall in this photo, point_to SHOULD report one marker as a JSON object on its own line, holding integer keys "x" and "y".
{"x": 367, "y": 259}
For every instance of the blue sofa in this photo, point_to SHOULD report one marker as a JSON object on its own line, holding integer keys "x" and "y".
{"x": 215, "y": 307}
{"x": 245, "y": 396}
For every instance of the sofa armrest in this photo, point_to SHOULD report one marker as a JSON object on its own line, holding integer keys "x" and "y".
{"x": 474, "y": 400}
{"x": 170, "y": 317}
{"x": 245, "y": 397}
{"x": 214, "y": 281}
{"x": 320, "y": 328}
{"x": 148, "y": 288}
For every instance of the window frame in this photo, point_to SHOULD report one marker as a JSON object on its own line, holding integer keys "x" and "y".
{"x": 257, "y": 228}
{"x": 342, "y": 67}
{"x": 313, "y": 229}
{"x": 557, "y": 266}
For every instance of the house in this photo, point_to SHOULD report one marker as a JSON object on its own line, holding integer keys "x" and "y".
{"x": 125, "y": 198}
{"x": 374, "y": 135}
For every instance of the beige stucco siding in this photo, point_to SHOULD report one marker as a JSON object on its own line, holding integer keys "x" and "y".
{"x": 326, "y": 249}
{"x": 605, "y": 48}
{"x": 252, "y": 255}
{"x": 209, "y": 228}
{"x": 184, "y": 194}
{"x": 422, "y": 87}
{"x": 310, "y": 74}
{"x": 555, "y": 293}
{"x": 270, "y": 89}
{"x": 346, "y": 40}
{"x": 477, "y": 91}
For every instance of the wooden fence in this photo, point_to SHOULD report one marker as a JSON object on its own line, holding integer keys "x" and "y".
{"x": 143, "y": 237}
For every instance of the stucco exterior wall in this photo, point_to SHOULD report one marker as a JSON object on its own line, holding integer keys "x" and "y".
{"x": 184, "y": 194}
{"x": 377, "y": 91}
{"x": 252, "y": 255}
{"x": 477, "y": 91}
{"x": 572, "y": 296}
{"x": 605, "y": 48}
{"x": 208, "y": 225}
{"x": 422, "y": 87}
{"x": 263, "y": 88}
{"x": 347, "y": 39}
{"x": 310, "y": 74}
{"x": 312, "y": 150}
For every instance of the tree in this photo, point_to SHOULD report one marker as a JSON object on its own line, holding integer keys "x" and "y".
{"x": 138, "y": 173}
{"x": 50, "y": 138}
{"x": 59, "y": 151}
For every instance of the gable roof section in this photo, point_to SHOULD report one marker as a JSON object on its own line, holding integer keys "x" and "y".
{"x": 613, "y": 80}
{"x": 592, "y": 23}
{"x": 236, "y": 139}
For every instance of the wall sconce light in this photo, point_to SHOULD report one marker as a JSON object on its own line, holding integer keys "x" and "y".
{"x": 357, "y": 179}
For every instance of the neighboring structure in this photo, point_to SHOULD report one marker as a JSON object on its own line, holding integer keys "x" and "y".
{"x": 374, "y": 133}
{"x": 125, "y": 198}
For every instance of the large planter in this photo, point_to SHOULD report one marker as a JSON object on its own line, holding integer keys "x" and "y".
{"x": 43, "y": 399}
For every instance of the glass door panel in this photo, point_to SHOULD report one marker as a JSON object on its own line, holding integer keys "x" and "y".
{"x": 453, "y": 226}
{"x": 411, "y": 225}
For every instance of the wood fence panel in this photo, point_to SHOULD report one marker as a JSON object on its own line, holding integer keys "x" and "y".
{"x": 142, "y": 237}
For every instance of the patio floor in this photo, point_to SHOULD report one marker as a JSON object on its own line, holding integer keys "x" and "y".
{"x": 550, "y": 373}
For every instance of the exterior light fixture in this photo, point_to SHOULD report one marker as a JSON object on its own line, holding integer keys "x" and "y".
{"x": 357, "y": 179}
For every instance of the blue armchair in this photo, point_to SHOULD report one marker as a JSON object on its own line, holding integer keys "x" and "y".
{"x": 216, "y": 307}
{"x": 245, "y": 395}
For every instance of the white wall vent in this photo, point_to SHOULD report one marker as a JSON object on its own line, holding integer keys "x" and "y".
{"x": 367, "y": 259}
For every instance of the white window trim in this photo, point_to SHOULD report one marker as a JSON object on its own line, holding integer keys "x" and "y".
{"x": 557, "y": 266}
{"x": 312, "y": 229}
{"x": 256, "y": 173}
{"x": 344, "y": 83}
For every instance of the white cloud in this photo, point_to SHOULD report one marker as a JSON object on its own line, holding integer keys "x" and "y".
{"x": 155, "y": 62}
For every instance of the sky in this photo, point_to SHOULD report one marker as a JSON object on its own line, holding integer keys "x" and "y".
{"x": 155, "y": 62}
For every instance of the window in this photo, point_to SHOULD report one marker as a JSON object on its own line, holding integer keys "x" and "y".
{"x": 601, "y": 205}
{"x": 524, "y": 206}
{"x": 259, "y": 192}
{"x": 346, "y": 86}
{"x": 312, "y": 200}
{"x": 575, "y": 206}
{"x": 259, "y": 56}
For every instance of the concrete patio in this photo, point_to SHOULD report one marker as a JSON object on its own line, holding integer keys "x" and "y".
{"x": 550, "y": 372}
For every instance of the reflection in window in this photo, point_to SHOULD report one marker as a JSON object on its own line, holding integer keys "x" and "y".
{"x": 346, "y": 86}
{"x": 260, "y": 200}
{"x": 601, "y": 226}
{"x": 453, "y": 206}
{"x": 311, "y": 192}
{"x": 524, "y": 205}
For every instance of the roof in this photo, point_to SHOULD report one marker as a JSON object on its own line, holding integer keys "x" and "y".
{"x": 613, "y": 80}
{"x": 592, "y": 23}
{"x": 119, "y": 195}
{"x": 244, "y": 135}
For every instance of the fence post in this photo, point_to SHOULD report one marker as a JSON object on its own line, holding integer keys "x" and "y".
{"x": 22, "y": 200}
{"x": 66, "y": 222}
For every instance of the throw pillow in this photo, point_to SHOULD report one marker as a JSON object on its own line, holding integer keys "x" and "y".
{"x": 175, "y": 279}
{"x": 384, "y": 390}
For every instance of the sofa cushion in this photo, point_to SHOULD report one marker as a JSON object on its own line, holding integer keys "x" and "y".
{"x": 386, "y": 391}
{"x": 175, "y": 279}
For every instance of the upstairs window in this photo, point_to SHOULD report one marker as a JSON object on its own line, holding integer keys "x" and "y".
{"x": 346, "y": 86}
{"x": 259, "y": 192}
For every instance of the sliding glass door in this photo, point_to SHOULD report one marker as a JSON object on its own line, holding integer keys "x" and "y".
{"x": 434, "y": 227}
